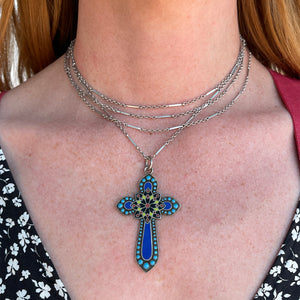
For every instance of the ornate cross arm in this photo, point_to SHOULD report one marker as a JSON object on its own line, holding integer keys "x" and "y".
{"x": 147, "y": 207}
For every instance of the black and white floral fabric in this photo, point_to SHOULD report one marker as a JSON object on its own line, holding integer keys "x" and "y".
{"x": 283, "y": 280}
{"x": 27, "y": 272}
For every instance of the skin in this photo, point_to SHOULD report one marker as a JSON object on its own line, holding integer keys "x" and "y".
{"x": 235, "y": 176}
{"x": 144, "y": 49}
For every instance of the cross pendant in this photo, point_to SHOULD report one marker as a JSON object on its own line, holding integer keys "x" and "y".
{"x": 147, "y": 207}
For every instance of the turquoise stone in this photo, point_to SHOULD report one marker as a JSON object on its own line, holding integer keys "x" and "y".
{"x": 152, "y": 262}
{"x": 147, "y": 206}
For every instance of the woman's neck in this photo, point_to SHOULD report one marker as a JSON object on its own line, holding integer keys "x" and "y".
{"x": 156, "y": 51}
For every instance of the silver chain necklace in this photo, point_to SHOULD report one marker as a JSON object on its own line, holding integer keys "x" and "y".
{"x": 148, "y": 205}
{"x": 215, "y": 90}
{"x": 86, "y": 95}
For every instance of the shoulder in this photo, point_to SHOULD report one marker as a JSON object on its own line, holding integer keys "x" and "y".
{"x": 31, "y": 97}
{"x": 28, "y": 109}
{"x": 44, "y": 100}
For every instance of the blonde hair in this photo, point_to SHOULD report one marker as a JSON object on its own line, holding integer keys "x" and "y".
{"x": 270, "y": 27}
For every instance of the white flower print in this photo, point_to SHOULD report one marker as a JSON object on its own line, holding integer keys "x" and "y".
{"x": 13, "y": 266}
{"x": 291, "y": 265}
{"x": 264, "y": 290}
{"x": 3, "y": 170}
{"x": 2, "y": 157}
{"x": 25, "y": 275}
{"x": 48, "y": 270}
{"x": 35, "y": 240}
{"x": 22, "y": 295}
{"x": 297, "y": 216}
{"x": 277, "y": 296}
{"x": 14, "y": 249}
{"x": 2, "y": 201}
{"x": 280, "y": 295}
{"x": 275, "y": 271}
{"x": 60, "y": 288}
{"x": 2, "y": 286}
{"x": 8, "y": 189}
{"x": 23, "y": 236}
{"x": 42, "y": 289}
{"x": 296, "y": 234}
{"x": 17, "y": 202}
{"x": 297, "y": 280}
{"x": 18, "y": 235}
{"x": 10, "y": 223}
{"x": 23, "y": 219}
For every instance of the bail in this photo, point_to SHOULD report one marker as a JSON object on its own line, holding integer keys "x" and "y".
{"x": 148, "y": 165}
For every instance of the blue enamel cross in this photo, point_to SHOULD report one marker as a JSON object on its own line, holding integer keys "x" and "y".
{"x": 147, "y": 206}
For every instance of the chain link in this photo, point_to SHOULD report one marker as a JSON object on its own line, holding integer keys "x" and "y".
{"x": 85, "y": 95}
{"x": 90, "y": 91}
{"x": 219, "y": 91}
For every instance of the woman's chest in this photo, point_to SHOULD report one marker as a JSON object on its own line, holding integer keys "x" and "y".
{"x": 218, "y": 245}
{"x": 237, "y": 199}
{"x": 212, "y": 250}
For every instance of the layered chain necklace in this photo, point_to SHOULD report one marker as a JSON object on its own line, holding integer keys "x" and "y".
{"x": 148, "y": 205}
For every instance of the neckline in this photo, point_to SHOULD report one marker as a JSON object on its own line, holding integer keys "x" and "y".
{"x": 280, "y": 82}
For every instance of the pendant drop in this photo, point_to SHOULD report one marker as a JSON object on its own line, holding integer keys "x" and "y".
{"x": 148, "y": 206}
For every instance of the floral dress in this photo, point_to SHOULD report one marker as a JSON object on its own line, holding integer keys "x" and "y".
{"x": 27, "y": 272}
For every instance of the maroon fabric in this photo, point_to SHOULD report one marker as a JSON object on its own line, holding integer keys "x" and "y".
{"x": 1, "y": 95}
{"x": 289, "y": 90}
